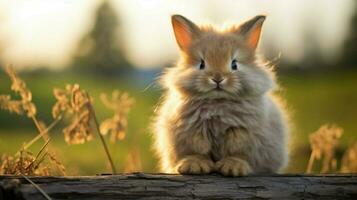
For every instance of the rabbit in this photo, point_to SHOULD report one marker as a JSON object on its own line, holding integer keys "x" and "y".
{"x": 218, "y": 113}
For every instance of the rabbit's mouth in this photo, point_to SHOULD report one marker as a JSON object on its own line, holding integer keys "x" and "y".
{"x": 218, "y": 88}
{"x": 217, "y": 93}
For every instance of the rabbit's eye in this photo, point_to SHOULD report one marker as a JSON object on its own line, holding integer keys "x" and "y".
{"x": 234, "y": 64}
{"x": 202, "y": 64}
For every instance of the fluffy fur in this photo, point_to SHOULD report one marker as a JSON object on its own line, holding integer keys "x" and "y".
{"x": 234, "y": 127}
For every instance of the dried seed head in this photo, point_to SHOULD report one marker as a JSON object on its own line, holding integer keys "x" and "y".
{"x": 323, "y": 144}
{"x": 76, "y": 103}
{"x": 349, "y": 160}
{"x": 325, "y": 138}
{"x": 62, "y": 103}
{"x": 24, "y": 163}
{"x": 24, "y": 105}
{"x": 116, "y": 125}
{"x": 80, "y": 130}
{"x": 13, "y": 106}
{"x": 30, "y": 108}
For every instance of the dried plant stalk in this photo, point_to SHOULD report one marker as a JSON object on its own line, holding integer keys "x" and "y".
{"x": 31, "y": 142}
{"x": 45, "y": 195}
{"x": 120, "y": 104}
{"x": 77, "y": 103}
{"x": 323, "y": 144}
{"x": 102, "y": 138}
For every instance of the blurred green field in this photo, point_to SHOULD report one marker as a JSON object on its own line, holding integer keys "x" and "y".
{"x": 313, "y": 99}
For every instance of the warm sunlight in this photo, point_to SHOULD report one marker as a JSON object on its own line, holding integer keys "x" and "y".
{"x": 147, "y": 30}
{"x": 44, "y": 32}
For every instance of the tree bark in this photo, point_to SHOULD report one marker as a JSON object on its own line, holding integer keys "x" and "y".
{"x": 170, "y": 186}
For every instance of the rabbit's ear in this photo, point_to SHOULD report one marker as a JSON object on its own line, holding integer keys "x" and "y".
{"x": 251, "y": 30}
{"x": 185, "y": 31}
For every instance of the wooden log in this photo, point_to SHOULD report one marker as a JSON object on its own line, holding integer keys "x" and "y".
{"x": 170, "y": 186}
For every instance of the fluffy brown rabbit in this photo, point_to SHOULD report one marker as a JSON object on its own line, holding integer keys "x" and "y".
{"x": 218, "y": 113}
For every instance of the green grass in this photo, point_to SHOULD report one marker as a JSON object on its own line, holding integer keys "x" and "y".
{"x": 324, "y": 98}
{"x": 313, "y": 99}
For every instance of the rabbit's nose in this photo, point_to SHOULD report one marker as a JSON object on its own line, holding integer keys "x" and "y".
{"x": 217, "y": 78}
{"x": 218, "y": 81}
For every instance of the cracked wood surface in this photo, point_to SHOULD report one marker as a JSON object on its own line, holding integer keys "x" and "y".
{"x": 170, "y": 186}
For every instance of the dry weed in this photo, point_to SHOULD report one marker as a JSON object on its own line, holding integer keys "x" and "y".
{"x": 24, "y": 104}
{"x": 22, "y": 165}
{"x": 78, "y": 105}
{"x": 120, "y": 104}
{"x": 26, "y": 163}
{"x": 74, "y": 102}
{"x": 349, "y": 160}
{"x": 323, "y": 144}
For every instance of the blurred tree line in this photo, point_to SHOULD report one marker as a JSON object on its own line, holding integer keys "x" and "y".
{"x": 349, "y": 53}
{"x": 100, "y": 51}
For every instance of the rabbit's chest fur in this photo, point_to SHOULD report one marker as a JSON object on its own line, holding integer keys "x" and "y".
{"x": 212, "y": 119}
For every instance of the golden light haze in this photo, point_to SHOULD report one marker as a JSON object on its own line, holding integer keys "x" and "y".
{"x": 46, "y": 32}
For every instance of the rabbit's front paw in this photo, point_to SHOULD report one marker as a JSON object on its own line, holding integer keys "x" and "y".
{"x": 232, "y": 166}
{"x": 195, "y": 165}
